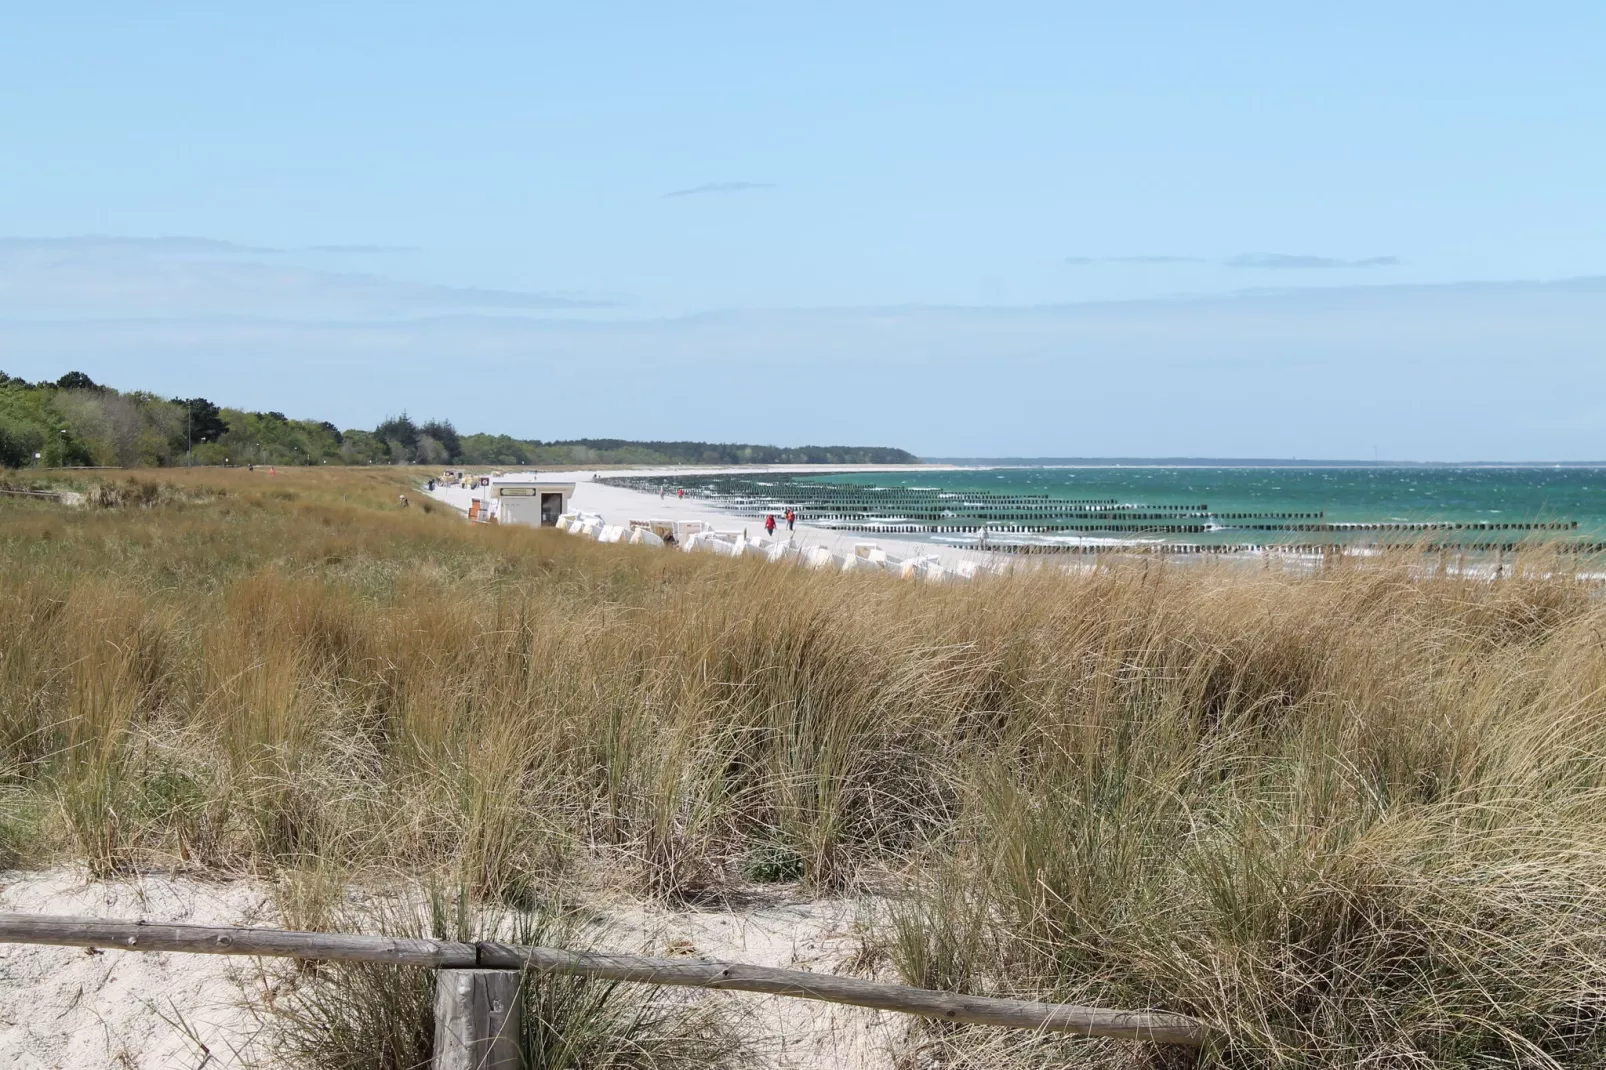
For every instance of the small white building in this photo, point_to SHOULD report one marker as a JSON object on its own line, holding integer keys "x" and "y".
{"x": 526, "y": 498}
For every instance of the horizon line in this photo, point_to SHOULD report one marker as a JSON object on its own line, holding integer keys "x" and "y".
{"x": 1245, "y": 462}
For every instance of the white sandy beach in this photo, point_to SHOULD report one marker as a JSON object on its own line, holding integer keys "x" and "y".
{"x": 619, "y": 505}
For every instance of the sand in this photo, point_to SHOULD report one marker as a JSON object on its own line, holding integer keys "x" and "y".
{"x": 65, "y": 1008}
{"x": 619, "y": 505}
{"x": 68, "y": 1009}
{"x": 821, "y": 935}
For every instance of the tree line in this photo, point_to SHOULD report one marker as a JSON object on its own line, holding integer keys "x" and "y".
{"x": 75, "y": 421}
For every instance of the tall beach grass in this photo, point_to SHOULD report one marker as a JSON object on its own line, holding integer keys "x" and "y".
{"x": 1355, "y": 817}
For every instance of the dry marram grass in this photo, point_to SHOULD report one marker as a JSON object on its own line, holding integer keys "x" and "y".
{"x": 1355, "y": 818}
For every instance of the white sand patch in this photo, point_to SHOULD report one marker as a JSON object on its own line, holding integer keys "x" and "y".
{"x": 67, "y": 1009}
{"x": 821, "y": 936}
{"x": 620, "y": 505}
{"x": 63, "y": 1008}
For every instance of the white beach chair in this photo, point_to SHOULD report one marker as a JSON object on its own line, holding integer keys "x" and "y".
{"x": 821, "y": 557}
{"x": 913, "y": 568}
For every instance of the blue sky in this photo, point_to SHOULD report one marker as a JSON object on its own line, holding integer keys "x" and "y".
{"x": 1058, "y": 229}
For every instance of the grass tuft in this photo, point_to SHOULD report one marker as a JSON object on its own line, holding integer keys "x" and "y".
{"x": 365, "y": 1016}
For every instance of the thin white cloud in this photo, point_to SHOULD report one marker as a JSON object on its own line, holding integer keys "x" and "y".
{"x": 179, "y": 245}
{"x": 1255, "y": 261}
{"x": 101, "y": 277}
{"x": 719, "y": 187}
{"x": 1287, "y": 261}
{"x": 175, "y": 245}
{"x": 362, "y": 249}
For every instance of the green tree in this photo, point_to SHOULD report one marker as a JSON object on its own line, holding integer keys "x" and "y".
{"x": 76, "y": 381}
{"x": 444, "y": 433}
{"x": 400, "y": 436}
{"x": 18, "y": 443}
{"x": 204, "y": 420}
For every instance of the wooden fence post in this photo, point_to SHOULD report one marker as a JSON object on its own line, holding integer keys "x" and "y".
{"x": 476, "y": 1020}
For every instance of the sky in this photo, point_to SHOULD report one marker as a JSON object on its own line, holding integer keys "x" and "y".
{"x": 1160, "y": 229}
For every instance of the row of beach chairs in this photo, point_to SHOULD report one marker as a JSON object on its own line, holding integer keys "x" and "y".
{"x": 697, "y": 536}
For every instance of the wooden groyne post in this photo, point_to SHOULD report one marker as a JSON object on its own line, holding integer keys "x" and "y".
{"x": 477, "y": 983}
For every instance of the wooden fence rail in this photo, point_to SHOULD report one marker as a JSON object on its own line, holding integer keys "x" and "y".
{"x": 1156, "y": 1026}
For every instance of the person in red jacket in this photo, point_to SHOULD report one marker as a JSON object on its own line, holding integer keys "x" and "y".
{"x": 769, "y": 523}
{"x": 791, "y": 519}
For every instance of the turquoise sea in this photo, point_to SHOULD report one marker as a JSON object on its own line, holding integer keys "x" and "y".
{"x": 1208, "y": 506}
{"x": 1493, "y": 498}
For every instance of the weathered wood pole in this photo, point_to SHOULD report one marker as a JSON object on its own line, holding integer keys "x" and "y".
{"x": 1160, "y": 1027}
{"x": 476, "y": 1020}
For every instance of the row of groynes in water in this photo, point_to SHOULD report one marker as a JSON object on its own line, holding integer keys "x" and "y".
{"x": 926, "y": 511}
{"x": 895, "y": 527}
{"x": 1590, "y": 549}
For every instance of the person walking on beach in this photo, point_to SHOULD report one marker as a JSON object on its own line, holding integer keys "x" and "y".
{"x": 680, "y": 492}
{"x": 791, "y": 519}
{"x": 769, "y": 524}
